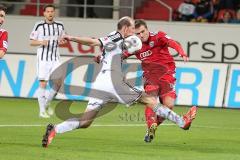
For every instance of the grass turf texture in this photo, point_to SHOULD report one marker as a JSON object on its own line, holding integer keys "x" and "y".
{"x": 214, "y": 135}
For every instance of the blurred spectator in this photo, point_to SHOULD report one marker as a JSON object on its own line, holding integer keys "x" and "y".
{"x": 186, "y": 10}
{"x": 215, "y": 10}
{"x": 237, "y": 19}
{"x": 204, "y": 11}
{"x": 223, "y": 15}
{"x": 226, "y": 18}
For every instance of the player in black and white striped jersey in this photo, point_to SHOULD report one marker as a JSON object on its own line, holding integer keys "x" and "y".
{"x": 46, "y": 35}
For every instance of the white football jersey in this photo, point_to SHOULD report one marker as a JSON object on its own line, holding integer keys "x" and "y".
{"x": 51, "y": 32}
{"x": 112, "y": 51}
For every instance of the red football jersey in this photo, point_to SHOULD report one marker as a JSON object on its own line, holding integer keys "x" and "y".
{"x": 3, "y": 40}
{"x": 155, "y": 52}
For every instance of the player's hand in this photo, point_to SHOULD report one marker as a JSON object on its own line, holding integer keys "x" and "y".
{"x": 62, "y": 41}
{"x": 125, "y": 55}
{"x": 185, "y": 58}
{"x": 44, "y": 42}
{"x": 97, "y": 59}
{"x": 67, "y": 37}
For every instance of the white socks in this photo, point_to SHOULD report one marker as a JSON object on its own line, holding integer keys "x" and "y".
{"x": 169, "y": 114}
{"x": 50, "y": 95}
{"x": 67, "y": 125}
{"x": 42, "y": 99}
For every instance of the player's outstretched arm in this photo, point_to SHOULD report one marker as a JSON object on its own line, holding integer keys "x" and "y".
{"x": 83, "y": 40}
{"x": 38, "y": 43}
{"x": 173, "y": 44}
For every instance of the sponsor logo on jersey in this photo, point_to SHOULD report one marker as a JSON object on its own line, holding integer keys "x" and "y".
{"x": 172, "y": 86}
{"x": 145, "y": 54}
{"x": 115, "y": 36}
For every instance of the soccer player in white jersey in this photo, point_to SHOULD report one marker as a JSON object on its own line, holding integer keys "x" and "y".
{"x": 46, "y": 35}
{"x": 3, "y": 33}
{"x": 110, "y": 75}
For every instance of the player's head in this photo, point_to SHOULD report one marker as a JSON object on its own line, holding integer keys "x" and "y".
{"x": 3, "y": 10}
{"x": 49, "y": 12}
{"x": 141, "y": 30}
{"x": 126, "y": 26}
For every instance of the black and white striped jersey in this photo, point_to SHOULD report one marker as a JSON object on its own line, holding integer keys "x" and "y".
{"x": 112, "y": 51}
{"x": 52, "y": 33}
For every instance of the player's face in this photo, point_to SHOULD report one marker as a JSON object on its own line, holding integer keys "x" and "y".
{"x": 2, "y": 17}
{"x": 49, "y": 14}
{"x": 131, "y": 30}
{"x": 142, "y": 33}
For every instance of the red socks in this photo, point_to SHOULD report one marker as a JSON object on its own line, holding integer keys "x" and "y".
{"x": 151, "y": 117}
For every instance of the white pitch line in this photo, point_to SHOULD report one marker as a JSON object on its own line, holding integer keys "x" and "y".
{"x": 21, "y": 125}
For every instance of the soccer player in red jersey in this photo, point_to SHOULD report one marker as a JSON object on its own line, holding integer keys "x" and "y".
{"x": 3, "y": 33}
{"x": 158, "y": 71}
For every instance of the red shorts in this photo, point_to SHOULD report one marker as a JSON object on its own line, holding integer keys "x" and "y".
{"x": 161, "y": 85}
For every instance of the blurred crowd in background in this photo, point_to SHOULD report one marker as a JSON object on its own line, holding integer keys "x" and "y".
{"x": 220, "y": 11}
{"x": 215, "y": 11}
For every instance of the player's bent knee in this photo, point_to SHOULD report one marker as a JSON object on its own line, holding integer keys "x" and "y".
{"x": 151, "y": 102}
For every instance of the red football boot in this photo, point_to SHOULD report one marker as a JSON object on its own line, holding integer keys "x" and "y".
{"x": 49, "y": 135}
{"x": 189, "y": 117}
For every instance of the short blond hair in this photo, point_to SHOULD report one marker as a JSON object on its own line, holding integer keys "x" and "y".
{"x": 124, "y": 21}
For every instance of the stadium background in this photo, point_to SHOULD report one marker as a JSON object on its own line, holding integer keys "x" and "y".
{"x": 210, "y": 80}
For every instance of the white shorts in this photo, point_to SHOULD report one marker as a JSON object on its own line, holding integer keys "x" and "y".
{"x": 104, "y": 91}
{"x": 46, "y": 68}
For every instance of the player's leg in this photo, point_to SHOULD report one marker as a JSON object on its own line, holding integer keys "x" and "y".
{"x": 42, "y": 99}
{"x": 56, "y": 81}
{"x": 150, "y": 116}
{"x": 51, "y": 94}
{"x": 53, "y": 90}
{"x": 151, "y": 121}
{"x": 167, "y": 113}
{"x": 162, "y": 110}
{"x": 84, "y": 121}
{"x": 75, "y": 123}
{"x": 71, "y": 124}
{"x": 166, "y": 92}
{"x": 42, "y": 74}
{"x": 168, "y": 101}
{"x": 168, "y": 96}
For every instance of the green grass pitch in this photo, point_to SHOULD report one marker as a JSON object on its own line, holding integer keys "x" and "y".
{"x": 214, "y": 135}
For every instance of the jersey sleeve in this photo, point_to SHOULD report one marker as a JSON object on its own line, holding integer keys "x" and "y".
{"x": 4, "y": 41}
{"x": 104, "y": 41}
{"x": 63, "y": 31}
{"x": 162, "y": 39}
{"x": 34, "y": 34}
